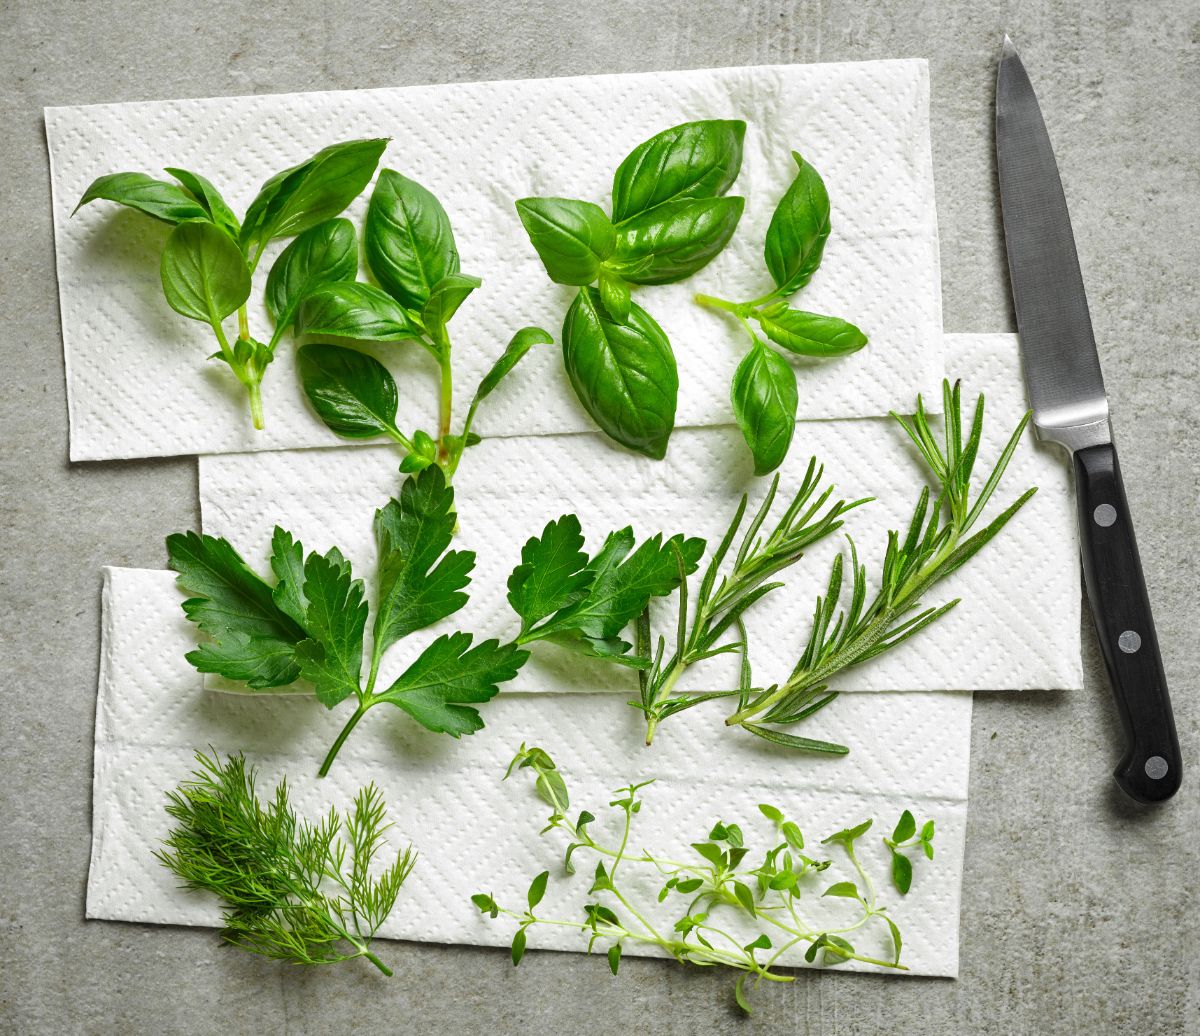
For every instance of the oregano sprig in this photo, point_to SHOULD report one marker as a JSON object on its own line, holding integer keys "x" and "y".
{"x": 764, "y": 392}
{"x": 724, "y": 910}
{"x": 210, "y": 256}
{"x": 290, "y": 889}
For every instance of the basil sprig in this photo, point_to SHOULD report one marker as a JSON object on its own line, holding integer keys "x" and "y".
{"x": 764, "y": 391}
{"x": 412, "y": 255}
{"x": 670, "y": 217}
{"x": 209, "y": 257}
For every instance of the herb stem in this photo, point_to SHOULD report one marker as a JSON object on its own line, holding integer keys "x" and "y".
{"x": 377, "y": 962}
{"x": 712, "y": 302}
{"x": 254, "y": 390}
{"x": 341, "y": 739}
{"x": 446, "y": 403}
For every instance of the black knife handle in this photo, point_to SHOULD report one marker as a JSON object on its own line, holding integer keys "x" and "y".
{"x": 1150, "y": 770}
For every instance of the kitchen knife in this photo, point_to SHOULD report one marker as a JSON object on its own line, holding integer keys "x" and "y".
{"x": 1066, "y": 391}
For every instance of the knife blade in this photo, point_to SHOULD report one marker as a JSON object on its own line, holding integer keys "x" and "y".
{"x": 1070, "y": 407}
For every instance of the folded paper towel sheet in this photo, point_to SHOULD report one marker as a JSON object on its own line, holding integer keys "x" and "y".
{"x": 1016, "y": 628}
{"x": 475, "y": 833}
{"x": 137, "y": 380}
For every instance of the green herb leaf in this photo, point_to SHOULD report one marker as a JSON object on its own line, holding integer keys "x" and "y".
{"x": 675, "y": 239}
{"x": 844, "y": 889}
{"x": 764, "y": 398}
{"x": 810, "y": 334}
{"x": 623, "y": 373}
{"x": 408, "y": 239}
{"x": 209, "y": 198}
{"x": 444, "y": 299}
{"x": 518, "y": 946}
{"x": 253, "y": 639}
{"x": 450, "y": 676}
{"x": 416, "y": 589}
{"x": 287, "y": 562}
{"x": 324, "y": 254}
{"x": 487, "y": 905}
{"x": 204, "y": 275}
{"x": 906, "y": 827}
{"x": 537, "y": 889}
{"x": 848, "y": 836}
{"x": 353, "y": 393}
{"x": 553, "y": 572}
{"x": 798, "y": 230}
{"x": 693, "y": 160}
{"x": 901, "y": 872}
{"x": 317, "y": 189}
{"x": 157, "y": 198}
{"x": 572, "y": 237}
{"x": 331, "y": 659}
{"x": 614, "y": 957}
{"x": 353, "y": 310}
{"x": 614, "y": 295}
{"x": 772, "y": 813}
{"x": 521, "y": 343}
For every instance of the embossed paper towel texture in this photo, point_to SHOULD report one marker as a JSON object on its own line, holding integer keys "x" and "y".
{"x": 1017, "y": 626}
{"x": 138, "y": 383}
{"x": 475, "y": 833}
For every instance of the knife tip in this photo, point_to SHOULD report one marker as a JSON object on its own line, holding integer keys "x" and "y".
{"x": 1008, "y": 49}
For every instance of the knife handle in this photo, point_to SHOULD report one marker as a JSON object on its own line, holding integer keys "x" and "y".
{"x": 1151, "y": 769}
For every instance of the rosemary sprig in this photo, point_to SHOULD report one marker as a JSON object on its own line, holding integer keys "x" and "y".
{"x": 719, "y": 606}
{"x": 720, "y": 895}
{"x": 289, "y": 892}
{"x": 935, "y": 545}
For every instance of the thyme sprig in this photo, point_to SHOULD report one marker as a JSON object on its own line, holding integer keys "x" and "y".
{"x": 719, "y": 893}
{"x": 291, "y": 890}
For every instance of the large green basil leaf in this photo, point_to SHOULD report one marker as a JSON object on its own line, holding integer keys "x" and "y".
{"x": 322, "y": 255}
{"x": 521, "y": 343}
{"x": 444, "y": 299}
{"x": 764, "y": 402}
{"x": 209, "y": 198}
{"x": 311, "y": 192}
{"x": 409, "y": 242}
{"x": 694, "y": 160}
{"x": 204, "y": 275}
{"x": 353, "y": 393}
{"x": 354, "y": 310}
{"x": 572, "y": 237}
{"x": 674, "y": 240}
{"x": 164, "y": 201}
{"x": 798, "y": 230}
{"x": 623, "y": 373}
{"x": 811, "y": 334}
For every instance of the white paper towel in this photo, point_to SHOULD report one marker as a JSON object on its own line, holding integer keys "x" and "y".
{"x": 138, "y": 384}
{"x": 1016, "y": 628}
{"x": 476, "y": 834}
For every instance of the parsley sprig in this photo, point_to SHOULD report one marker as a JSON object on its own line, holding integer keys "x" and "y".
{"x": 311, "y": 623}
{"x": 291, "y": 890}
{"x": 718, "y": 892}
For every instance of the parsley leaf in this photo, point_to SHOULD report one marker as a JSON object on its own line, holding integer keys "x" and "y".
{"x": 310, "y": 625}
{"x": 450, "y": 675}
{"x": 553, "y": 572}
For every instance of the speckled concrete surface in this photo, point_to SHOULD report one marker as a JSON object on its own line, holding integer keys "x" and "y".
{"x": 1080, "y": 911}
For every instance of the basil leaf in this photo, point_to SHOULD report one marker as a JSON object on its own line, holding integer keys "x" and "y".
{"x": 521, "y": 343}
{"x": 811, "y": 334}
{"x": 677, "y": 238}
{"x": 614, "y": 293}
{"x": 204, "y": 275}
{"x": 353, "y": 393}
{"x": 623, "y": 373}
{"x": 209, "y": 198}
{"x": 444, "y": 299}
{"x": 350, "y": 309}
{"x": 798, "y": 230}
{"x": 693, "y": 160}
{"x": 409, "y": 242}
{"x": 309, "y": 193}
{"x": 322, "y": 255}
{"x": 572, "y": 237}
{"x": 157, "y": 198}
{"x": 764, "y": 403}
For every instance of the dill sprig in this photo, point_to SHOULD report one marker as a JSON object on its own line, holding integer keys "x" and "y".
{"x": 291, "y": 889}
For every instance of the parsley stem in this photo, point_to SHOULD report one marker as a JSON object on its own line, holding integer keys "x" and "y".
{"x": 341, "y": 739}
